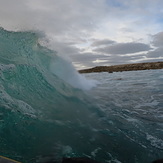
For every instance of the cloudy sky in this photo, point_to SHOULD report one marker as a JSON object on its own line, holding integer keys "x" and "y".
{"x": 92, "y": 32}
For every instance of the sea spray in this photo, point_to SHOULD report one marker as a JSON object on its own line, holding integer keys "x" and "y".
{"x": 64, "y": 70}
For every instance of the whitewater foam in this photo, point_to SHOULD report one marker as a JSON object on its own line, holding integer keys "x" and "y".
{"x": 156, "y": 142}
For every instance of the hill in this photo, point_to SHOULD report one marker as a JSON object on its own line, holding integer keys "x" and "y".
{"x": 124, "y": 67}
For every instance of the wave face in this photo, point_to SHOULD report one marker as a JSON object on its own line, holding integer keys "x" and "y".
{"x": 41, "y": 115}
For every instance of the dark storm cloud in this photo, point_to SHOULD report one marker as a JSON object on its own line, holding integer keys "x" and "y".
{"x": 102, "y": 42}
{"x": 156, "y": 53}
{"x": 157, "y": 42}
{"x": 158, "y": 39}
{"x": 88, "y": 57}
{"x": 94, "y": 59}
{"x": 152, "y": 60}
{"x": 124, "y": 48}
{"x": 114, "y": 60}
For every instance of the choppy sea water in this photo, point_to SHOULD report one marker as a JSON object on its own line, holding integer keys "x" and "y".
{"x": 48, "y": 111}
{"x": 133, "y": 106}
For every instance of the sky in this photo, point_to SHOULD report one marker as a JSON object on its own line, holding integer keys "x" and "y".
{"x": 92, "y": 32}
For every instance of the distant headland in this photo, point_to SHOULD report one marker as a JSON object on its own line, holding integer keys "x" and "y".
{"x": 124, "y": 67}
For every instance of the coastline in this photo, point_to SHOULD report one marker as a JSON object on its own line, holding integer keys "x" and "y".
{"x": 124, "y": 67}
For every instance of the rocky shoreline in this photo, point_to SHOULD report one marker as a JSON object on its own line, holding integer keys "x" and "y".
{"x": 124, "y": 67}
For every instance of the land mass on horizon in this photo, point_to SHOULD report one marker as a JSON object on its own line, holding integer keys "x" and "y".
{"x": 124, "y": 67}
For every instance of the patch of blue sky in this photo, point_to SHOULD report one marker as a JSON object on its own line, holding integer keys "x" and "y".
{"x": 115, "y": 3}
{"x": 159, "y": 19}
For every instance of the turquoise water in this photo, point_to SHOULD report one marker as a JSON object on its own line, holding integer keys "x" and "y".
{"x": 44, "y": 115}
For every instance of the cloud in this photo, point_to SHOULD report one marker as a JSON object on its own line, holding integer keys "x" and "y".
{"x": 158, "y": 39}
{"x": 156, "y": 53}
{"x": 102, "y": 42}
{"x": 158, "y": 43}
{"x": 94, "y": 59}
{"x": 85, "y": 57}
{"x": 89, "y": 59}
{"x": 52, "y": 16}
{"x": 124, "y": 48}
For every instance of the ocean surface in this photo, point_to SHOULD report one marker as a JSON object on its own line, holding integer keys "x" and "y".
{"x": 48, "y": 111}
